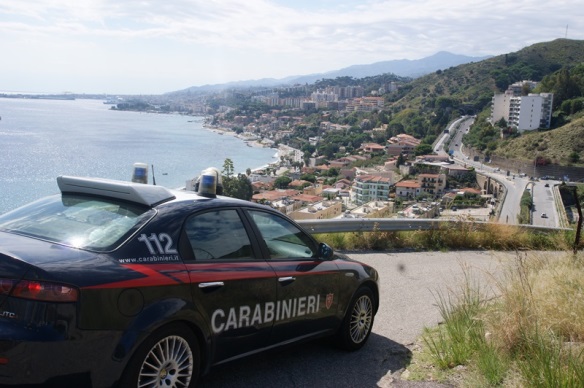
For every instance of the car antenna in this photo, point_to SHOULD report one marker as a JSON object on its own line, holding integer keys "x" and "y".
{"x": 153, "y": 177}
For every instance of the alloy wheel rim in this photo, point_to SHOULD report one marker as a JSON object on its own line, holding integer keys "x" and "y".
{"x": 361, "y": 318}
{"x": 168, "y": 364}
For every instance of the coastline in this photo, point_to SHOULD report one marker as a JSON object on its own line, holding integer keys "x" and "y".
{"x": 178, "y": 149}
{"x": 281, "y": 150}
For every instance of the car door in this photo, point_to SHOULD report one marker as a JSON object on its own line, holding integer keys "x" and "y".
{"x": 232, "y": 286}
{"x": 307, "y": 288}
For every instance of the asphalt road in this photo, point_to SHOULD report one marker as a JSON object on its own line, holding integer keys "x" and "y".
{"x": 544, "y": 203}
{"x": 409, "y": 285}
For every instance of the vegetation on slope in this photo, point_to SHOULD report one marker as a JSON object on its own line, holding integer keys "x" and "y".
{"x": 562, "y": 146}
{"x": 523, "y": 330}
{"x": 438, "y": 98}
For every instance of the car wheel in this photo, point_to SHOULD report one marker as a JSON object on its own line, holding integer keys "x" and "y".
{"x": 358, "y": 320}
{"x": 168, "y": 358}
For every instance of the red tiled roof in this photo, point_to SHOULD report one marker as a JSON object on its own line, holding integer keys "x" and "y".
{"x": 274, "y": 195}
{"x": 410, "y": 184}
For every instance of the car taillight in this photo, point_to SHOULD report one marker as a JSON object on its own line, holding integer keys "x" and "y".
{"x": 42, "y": 291}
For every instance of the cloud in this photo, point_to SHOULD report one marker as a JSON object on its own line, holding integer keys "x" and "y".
{"x": 291, "y": 37}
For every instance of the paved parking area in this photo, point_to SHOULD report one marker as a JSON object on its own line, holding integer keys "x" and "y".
{"x": 410, "y": 282}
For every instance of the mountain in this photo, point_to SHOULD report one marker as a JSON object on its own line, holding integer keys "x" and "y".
{"x": 402, "y": 67}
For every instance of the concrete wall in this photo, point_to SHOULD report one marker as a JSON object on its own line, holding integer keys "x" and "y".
{"x": 516, "y": 166}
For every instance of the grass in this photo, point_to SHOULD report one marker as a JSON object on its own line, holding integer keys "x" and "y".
{"x": 453, "y": 236}
{"x": 525, "y": 328}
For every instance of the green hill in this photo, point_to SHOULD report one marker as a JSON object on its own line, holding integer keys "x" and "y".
{"x": 473, "y": 84}
{"x": 562, "y": 146}
{"x": 435, "y": 99}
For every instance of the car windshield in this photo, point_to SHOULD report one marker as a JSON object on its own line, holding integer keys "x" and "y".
{"x": 80, "y": 221}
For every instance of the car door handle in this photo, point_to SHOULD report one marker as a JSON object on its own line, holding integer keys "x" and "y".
{"x": 211, "y": 284}
{"x": 286, "y": 279}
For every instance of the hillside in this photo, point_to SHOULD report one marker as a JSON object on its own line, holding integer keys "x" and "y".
{"x": 473, "y": 84}
{"x": 558, "y": 146}
{"x": 439, "y": 97}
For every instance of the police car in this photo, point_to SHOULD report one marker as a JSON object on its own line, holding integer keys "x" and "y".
{"x": 113, "y": 283}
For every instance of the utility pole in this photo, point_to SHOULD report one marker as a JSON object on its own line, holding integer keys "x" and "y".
{"x": 579, "y": 226}
{"x": 566, "y": 32}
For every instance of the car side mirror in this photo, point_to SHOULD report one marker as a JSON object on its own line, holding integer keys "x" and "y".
{"x": 325, "y": 251}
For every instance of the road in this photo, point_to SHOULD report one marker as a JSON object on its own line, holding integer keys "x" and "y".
{"x": 515, "y": 185}
{"x": 544, "y": 204}
{"x": 409, "y": 285}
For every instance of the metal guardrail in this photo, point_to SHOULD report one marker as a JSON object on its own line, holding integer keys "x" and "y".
{"x": 344, "y": 225}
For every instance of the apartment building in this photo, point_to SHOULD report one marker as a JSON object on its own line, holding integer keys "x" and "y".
{"x": 347, "y": 92}
{"x": 368, "y": 188}
{"x": 432, "y": 184}
{"x": 531, "y": 112}
{"x": 525, "y": 113}
{"x": 365, "y": 104}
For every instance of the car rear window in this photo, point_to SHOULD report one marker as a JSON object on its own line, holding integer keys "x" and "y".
{"x": 81, "y": 221}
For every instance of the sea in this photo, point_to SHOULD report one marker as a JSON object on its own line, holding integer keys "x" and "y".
{"x": 41, "y": 139}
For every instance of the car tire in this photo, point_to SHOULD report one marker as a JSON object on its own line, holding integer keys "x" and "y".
{"x": 168, "y": 358}
{"x": 358, "y": 321}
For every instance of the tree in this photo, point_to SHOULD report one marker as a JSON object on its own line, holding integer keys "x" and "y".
{"x": 308, "y": 177}
{"x": 248, "y": 171}
{"x": 502, "y": 123}
{"x": 423, "y": 149}
{"x": 237, "y": 187}
{"x": 400, "y": 160}
{"x": 282, "y": 182}
{"x": 228, "y": 168}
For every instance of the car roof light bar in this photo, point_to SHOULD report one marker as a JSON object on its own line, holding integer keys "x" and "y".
{"x": 133, "y": 192}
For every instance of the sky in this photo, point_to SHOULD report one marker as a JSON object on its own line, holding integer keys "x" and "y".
{"x": 158, "y": 46}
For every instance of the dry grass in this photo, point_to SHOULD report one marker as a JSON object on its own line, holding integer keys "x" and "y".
{"x": 530, "y": 335}
{"x": 540, "y": 294}
{"x": 453, "y": 236}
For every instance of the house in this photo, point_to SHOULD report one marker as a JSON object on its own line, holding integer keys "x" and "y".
{"x": 306, "y": 198}
{"x": 286, "y": 206}
{"x": 348, "y": 173}
{"x": 313, "y": 189}
{"x": 343, "y": 184}
{"x": 433, "y": 159}
{"x": 402, "y": 144}
{"x": 261, "y": 186}
{"x": 454, "y": 170}
{"x": 408, "y": 189}
{"x": 319, "y": 211}
{"x": 372, "y": 147}
{"x": 273, "y": 195}
{"x": 390, "y": 165}
{"x": 299, "y": 184}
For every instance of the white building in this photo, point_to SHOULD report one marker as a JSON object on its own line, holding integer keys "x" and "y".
{"x": 371, "y": 188}
{"x": 531, "y": 112}
{"x": 522, "y": 112}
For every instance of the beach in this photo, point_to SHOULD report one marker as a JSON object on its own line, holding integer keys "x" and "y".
{"x": 282, "y": 149}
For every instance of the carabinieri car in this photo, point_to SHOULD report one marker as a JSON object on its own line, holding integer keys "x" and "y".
{"x": 113, "y": 283}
